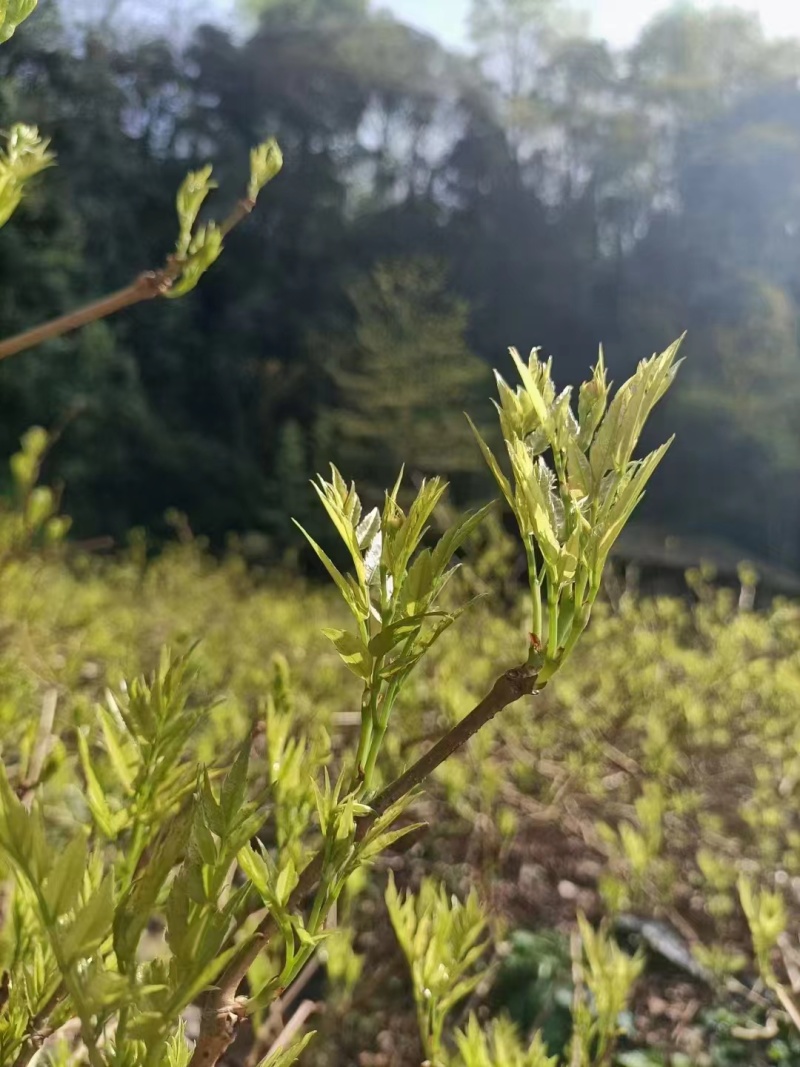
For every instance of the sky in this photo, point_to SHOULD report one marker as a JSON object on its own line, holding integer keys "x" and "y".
{"x": 617, "y": 20}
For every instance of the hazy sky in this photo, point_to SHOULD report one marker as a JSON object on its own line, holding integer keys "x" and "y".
{"x": 618, "y": 20}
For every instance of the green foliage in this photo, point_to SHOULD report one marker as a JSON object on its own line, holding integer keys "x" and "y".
{"x": 498, "y": 1044}
{"x": 32, "y": 519}
{"x": 570, "y": 514}
{"x": 723, "y": 725}
{"x": 605, "y": 977}
{"x": 198, "y": 247}
{"x": 153, "y": 804}
{"x": 394, "y": 596}
{"x": 287, "y": 1055}
{"x": 403, "y": 374}
{"x": 442, "y": 941}
{"x": 24, "y": 156}
{"x": 160, "y": 841}
{"x": 766, "y": 917}
{"x": 12, "y": 13}
{"x": 94, "y": 622}
{"x": 635, "y": 848}
{"x": 266, "y": 161}
{"x": 668, "y": 749}
{"x": 440, "y": 938}
{"x": 568, "y": 520}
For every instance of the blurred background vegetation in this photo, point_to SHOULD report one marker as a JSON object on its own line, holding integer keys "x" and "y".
{"x": 541, "y": 188}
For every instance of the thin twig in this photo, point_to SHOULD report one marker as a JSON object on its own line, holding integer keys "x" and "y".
{"x": 225, "y": 1010}
{"x": 147, "y": 286}
{"x": 297, "y": 1021}
{"x": 300, "y": 983}
{"x": 45, "y": 1039}
{"x": 788, "y": 1005}
{"x": 243, "y": 208}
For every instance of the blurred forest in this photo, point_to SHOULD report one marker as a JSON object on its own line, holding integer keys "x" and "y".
{"x": 434, "y": 209}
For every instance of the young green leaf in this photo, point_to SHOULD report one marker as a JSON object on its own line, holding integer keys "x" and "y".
{"x": 92, "y": 925}
{"x": 354, "y": 599}
{"x": 234, "y": 786}
{"x": 107, "y": 822}
{"x": 266, "y": 161}
{"x": 138, "y": 904}
{"x": 286, "y": 1055}
{"x": 353, "y": 651}
{"x": 12, "y": 13}
{"x": 193, "y": 191}
{"x": 65, "y": 879}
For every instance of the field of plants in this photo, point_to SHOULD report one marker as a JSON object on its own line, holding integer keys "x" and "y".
{"x": 381, "y": 784}
{"x": 652, "y": 788}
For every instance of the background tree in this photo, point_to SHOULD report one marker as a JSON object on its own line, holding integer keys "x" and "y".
{"x": 571, "y": 191}
{"x": 404, "y": 375}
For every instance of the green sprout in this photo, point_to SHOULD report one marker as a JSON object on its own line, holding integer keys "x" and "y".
{"x": 574, "y": 485}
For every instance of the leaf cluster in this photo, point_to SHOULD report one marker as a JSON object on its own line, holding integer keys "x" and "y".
{"x": 571, "y": 510}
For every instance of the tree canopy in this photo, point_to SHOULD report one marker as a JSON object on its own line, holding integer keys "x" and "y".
{"x": 434, "y": 209}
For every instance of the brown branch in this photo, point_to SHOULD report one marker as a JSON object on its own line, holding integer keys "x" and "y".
{"x": 224, "y": 1010}
{"x": 240, "y": 212}
{"x": 147, "y": 286}
{"x": 296, "y": 1023}
{"x": 509, "y": 687}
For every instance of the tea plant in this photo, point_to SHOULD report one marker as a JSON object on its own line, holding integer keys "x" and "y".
{"x": 73, "y": 625}
{"x": 441, "y": 940}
